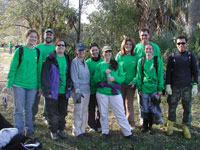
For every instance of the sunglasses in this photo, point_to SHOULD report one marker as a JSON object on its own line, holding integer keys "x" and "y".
{"x": 60, "y": 45}
{"x": 181, "y": 43}
{"x": 144, "y": 35}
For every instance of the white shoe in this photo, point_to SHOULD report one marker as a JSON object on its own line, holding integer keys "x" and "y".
{"x": 132, "y": 128}
{"x": 141, "y": 121}
{"x": 91, "y": 130}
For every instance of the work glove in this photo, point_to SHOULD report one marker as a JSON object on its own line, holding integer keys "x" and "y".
{"x": 132, "y": 84}
{"x": 168, "y": 89}
{"x": 77, "y": 96}
{"x": 194, "y": 90}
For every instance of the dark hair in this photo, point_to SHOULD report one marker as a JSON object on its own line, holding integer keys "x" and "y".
{"x": 93, "y": 44}
{"x": 60, "y": 40}
{"x": 29, "y": 31}
{"x": 144, "y": 30}
{"x": 113, "y": 64}
{"x": 182, "y": 37}
{"x": 122, "y": 52}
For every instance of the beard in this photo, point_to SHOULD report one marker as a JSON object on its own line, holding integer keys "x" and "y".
{"x": 48, "y": 40}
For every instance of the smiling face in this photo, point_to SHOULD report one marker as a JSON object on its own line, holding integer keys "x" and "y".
{"x": 148, "y": 50}
{"x": 31, "y": 39}
{"x": 60, "y": 47}
{"x": 107, "y": 54}
{"x": 94, "y": 51}
{"x": 144, "y": 37}
{"x": 181, "y": 45}
{"x": 48, "y": 37}
{"x": 128, "y": 47}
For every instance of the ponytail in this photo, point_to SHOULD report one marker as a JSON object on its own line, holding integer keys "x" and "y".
{"x": 113, "y": 64}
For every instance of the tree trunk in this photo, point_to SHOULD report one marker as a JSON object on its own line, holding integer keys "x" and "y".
{"x": 194, "y": 16}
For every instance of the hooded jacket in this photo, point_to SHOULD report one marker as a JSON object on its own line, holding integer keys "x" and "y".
{"x": 51, "y": 76}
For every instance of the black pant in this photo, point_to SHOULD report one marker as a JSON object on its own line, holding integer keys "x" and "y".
{"x": 56, "y": 112}
{"x": 93, "y": 113}
{"x": 4, "y": 123}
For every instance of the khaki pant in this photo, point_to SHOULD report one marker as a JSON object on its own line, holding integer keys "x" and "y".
{"x": 128, "y": 97}
{"x": 80, "y": 115}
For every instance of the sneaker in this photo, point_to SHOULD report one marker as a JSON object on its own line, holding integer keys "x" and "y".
{"x": 141, "y": 121}
{"x": 54, "y": 136}
{"x": 104, "y": 136}
{"x": 131, "y": 137}
{"x": 132, "y": 128}
{"x": 62, "y": 134}
{"x": 91, "y": 130}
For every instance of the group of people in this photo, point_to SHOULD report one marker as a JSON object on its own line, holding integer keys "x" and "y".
{"x": 45, "y": 69}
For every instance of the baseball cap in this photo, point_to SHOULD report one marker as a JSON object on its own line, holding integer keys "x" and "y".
{"x": 80, "y": 46}
{"x": 106, "y": 48}
{"x": 49, "y": 30}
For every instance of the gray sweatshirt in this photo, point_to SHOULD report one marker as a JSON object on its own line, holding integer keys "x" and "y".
{"x": 80, "y": 76}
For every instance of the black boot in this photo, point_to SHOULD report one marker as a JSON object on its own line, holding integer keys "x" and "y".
{"x": 145, "y": 123}
{"x": 150, "y": 124}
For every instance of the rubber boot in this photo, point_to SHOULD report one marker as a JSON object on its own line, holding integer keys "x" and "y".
{"x": 186, "y": 132}
{"x": 170, "y": 126}
{"x": 151, "y": 120}
{"x": 145, "y": 123}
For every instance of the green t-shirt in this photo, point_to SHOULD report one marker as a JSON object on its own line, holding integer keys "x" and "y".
{"x": 28, "y": 75}
{"x": 62, "y": 64}
{"x": 45, "y": 50}
{"x": 129, "y": 65}
{"x": 100, "y": 75}
{"x": 152, "y": 81}
{"x": 92, "y": 67}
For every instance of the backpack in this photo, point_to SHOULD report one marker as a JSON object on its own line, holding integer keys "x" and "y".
{"x": 21, "y": 50}
{"x": 155, "y": 64}
{"x": 189, "y": 57}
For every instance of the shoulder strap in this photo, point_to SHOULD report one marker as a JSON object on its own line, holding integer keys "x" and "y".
{"x": 142, "y": 67}
{"x": 38, "y": 54}
{"x": 155, "y": 63}
{"x": 20, "y": 55}
{"x": 189, "y": 56}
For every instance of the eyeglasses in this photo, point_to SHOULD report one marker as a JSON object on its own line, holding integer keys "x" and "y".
{"x": 181, "y": 43}
{"x": 60, "y": 45}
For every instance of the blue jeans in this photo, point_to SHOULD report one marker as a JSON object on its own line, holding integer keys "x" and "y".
{"x": 23, "y": 99}
{"x": 148, "y": 105}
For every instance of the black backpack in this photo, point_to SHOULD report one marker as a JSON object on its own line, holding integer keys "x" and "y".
{"x": 21, "y": 50}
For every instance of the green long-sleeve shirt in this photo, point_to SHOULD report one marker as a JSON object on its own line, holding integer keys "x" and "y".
{"x": 129, "y": 65}
{"x": 45, "y": 50}
{"x": 152, "y": 81}
{"x": 92, "y": 67}
{"x": 28, "y": 75}
{"x": 100, "y": 75}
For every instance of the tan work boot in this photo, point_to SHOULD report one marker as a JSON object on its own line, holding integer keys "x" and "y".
{"x": 170, "y": 126}
{"x": 186, "y": 132}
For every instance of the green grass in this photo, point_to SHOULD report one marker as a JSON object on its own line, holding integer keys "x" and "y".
{"x": 158, "y": 141}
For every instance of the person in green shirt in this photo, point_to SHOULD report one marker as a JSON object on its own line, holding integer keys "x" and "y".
{"x": 10, "y": 47}
{"x": 56, "y": 84}
{"x": 144, "y": 34}
{"x": 25, "y": 81}
{"x": 109, "y": 75}
{"x": 93, "y": 111}
{"x": 128, "y": 60}
{"x": 150, "y": 84}
{"x": 45, "y": 49}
